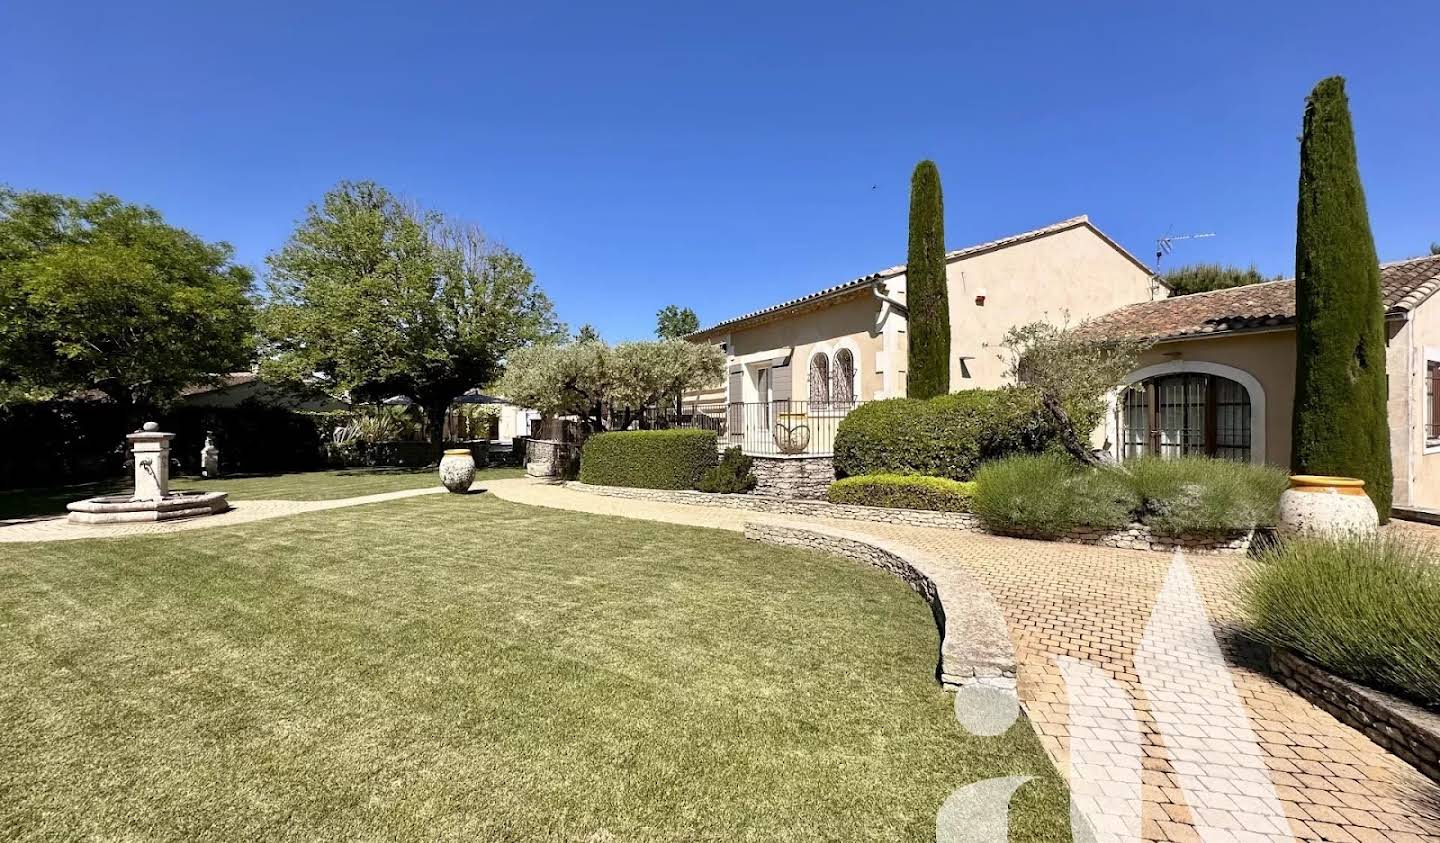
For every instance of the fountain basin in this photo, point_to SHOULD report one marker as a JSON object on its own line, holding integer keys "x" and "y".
{"x": 119, "y": 509}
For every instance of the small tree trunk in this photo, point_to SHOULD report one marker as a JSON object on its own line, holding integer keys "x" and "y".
{"x": 1066, "y": 430}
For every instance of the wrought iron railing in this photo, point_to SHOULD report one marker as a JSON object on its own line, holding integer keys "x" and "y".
{"x": 760, "y": 428}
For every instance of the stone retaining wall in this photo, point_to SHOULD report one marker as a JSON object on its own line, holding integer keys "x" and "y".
{"x": 1134, "y": 537}
{"x": 1405, "y": 729}
{"x": 975, "y": 645}
{"x": 801, "y": 478}
{"x": 784, "y": 506}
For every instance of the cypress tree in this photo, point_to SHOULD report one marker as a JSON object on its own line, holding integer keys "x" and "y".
{"x": 1340, "y": 421}
{"x": 926, "y": 298}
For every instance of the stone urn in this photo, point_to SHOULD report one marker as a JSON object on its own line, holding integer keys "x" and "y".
{"x": 1319, "y": 505}
{"x": 457, "y": 470}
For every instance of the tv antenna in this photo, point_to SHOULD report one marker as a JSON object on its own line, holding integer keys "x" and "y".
{"x": 1165, "y": 244}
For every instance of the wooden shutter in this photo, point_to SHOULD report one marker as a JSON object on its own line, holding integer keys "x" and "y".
{"x": 780, "y": 382}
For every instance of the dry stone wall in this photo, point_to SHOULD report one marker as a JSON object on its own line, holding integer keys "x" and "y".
{"x": 802, "y": 478}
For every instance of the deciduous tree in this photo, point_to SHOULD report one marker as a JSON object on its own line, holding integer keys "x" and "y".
{"x": 102, "y": 294}
{"x": 1204, "y": 277}
{"x": 674, "y": 322}
{"x": 372, "y": 297}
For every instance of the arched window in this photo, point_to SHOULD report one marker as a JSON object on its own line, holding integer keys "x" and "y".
{"x": 819, "y": 380}
{"x": 842, "y": 380}
{"x": 1187, "y": 414}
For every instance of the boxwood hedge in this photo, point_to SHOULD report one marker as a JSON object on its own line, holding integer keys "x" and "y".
{"x": 648, "y": 459}
{"x": 947, "y": 436}
{"x": 903, "y": 491}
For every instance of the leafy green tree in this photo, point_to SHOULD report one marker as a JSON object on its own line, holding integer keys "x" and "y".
{"x": 588, "y": 379}
{"x": 1435, "y": 248}
{"x": 1072, "y": 374}
{"x": 104, "y": 295}
{"x": 372, "y": 298}
{"x": 927, "y": 298}
{"x": 673, "y": 322}
{"x": 587, "y": 333}
{"x": 1204, "y": 277}
{"x": 1340, "y": 422}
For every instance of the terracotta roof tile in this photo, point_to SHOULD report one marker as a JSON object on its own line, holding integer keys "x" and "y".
{"x": 1404, "y": 285}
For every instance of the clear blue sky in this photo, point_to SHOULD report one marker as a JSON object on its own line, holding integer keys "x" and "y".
{"x": 723, "y": 155}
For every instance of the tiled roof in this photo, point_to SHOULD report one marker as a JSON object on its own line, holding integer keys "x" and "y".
{"x": 1404, "y": 285}
{"x": 223, "y": 382}
{"x": 891, "y": 272}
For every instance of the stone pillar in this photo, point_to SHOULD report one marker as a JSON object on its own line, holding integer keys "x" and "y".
{"x": 151, "y": 450}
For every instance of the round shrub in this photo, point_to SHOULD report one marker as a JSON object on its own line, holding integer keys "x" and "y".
{"x": 1049, "y": 495}
{"x": 947, "y": 436}
{"x": 733, "y": 476}
{"x": 1205, "y": 496}
{"x": 648, "y": 459}
{"x": 903, "y": 491}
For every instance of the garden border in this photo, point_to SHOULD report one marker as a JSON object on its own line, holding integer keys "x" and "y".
{"x": 1402, "y": 728}
{"x": 1131, "y": 537}
{"x": 975, "y": 646}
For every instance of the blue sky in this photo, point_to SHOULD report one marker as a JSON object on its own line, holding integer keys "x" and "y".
{"x": 723, "y": 155}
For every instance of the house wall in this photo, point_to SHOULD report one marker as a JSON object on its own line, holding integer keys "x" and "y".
{"x": 1071, "y": 275}
{"x": 1421, "y": 463}
{"x": 847, "y": 323}
{"x": 1268, "y": 357}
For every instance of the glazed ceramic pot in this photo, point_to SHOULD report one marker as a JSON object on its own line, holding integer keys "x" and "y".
{"x": 457, "y": 470}
{"x": 1317, "y": 505}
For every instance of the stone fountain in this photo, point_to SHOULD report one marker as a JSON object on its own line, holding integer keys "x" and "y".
{"x": 152, "y": 500}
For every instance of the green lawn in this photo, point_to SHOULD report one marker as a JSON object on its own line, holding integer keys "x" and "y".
{"x": 302, "y": 486}
{"x": 459, "y": 667}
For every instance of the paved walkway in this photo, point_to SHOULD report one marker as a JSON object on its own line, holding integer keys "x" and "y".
{"x": 1093, "y": 604}
{"x": 241, "y": 512}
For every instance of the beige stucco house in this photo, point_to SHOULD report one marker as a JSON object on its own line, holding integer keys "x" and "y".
{"x": 1220, "y": 379}
{"x": 807, "y": 361}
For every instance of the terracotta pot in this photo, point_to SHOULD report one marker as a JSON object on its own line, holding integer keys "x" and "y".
{"x": 1318, "y": 505}
{"x": 457, "y": 470}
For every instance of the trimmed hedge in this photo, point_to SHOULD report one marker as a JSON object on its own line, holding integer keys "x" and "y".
{"x": 1049, "y": 495}
{"x": 1365, "y": 608}
{"x": 649, "y": 459}
{"x": 901, "y": 491}
{"x": 948, "y": 436}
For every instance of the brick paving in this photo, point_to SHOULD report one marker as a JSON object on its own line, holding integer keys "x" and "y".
{"x": 1093, "y": 604}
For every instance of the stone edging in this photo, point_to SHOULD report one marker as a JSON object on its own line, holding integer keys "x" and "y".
{"x": 1134, "y": 537}
{"x": 975, "y": 643}
{"x": 1401, "y": 727}
{"x": 787, "y": 506}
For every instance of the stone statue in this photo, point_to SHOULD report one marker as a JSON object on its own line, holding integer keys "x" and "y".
{"x": 209, "y": 456}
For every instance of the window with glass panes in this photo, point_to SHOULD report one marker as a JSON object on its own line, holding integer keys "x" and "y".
{"x": 1432, "y": 402}
{"x": 1185, "y": 415}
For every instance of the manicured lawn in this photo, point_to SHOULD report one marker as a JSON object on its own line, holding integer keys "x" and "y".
{"x": 302, "y": 486}
{"x": 464, "y": 668}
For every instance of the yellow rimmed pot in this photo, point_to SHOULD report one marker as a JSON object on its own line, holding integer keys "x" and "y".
{"x": 1322, "y": 505}
{"x": 457, "y": 470}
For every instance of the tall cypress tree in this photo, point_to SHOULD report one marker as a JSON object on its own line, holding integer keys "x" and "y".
{"x": 926, "y": 298}
{"x": 1340, "y": 422}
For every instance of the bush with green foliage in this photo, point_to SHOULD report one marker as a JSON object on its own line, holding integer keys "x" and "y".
{"x": 1340, "y": 421}
{"x": 927, "y": 297}
{"x": 1364, "y": 608}
{"x": 648, "y": 459}
{"x": 949, "y": 436}
{"x": 1204, "y": 277}
{"x": 1049, "y": 495}
{"x": 1204, "y": 496}
{"x": 903, "y": 491}
{"x": 732, "y": 476}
